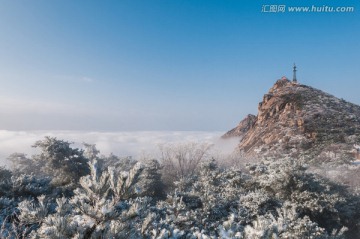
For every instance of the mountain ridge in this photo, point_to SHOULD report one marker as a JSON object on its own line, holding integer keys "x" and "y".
{"x": 300, "y": 121}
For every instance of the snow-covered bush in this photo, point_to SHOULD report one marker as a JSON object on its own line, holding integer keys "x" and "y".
{"x": 106, "y": 205}
{"x": 24, "y": 186}
{"x": 182, "y": 160}
{"x": 279, "y": 199}
{"x": 5, "y": 181}
{"x": 103, "y": 162}
{"x": 122, "y": 198}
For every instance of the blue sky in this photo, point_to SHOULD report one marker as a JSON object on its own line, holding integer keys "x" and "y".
{"x": 164, "y": 64}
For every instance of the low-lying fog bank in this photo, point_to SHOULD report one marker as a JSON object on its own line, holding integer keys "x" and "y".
{"x": 136, "y": 144}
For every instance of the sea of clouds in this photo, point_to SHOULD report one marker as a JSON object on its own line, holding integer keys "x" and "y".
{"x": 136, "y": 144}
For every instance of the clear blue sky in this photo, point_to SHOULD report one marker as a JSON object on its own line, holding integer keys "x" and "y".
{"x": 164, "y": 64}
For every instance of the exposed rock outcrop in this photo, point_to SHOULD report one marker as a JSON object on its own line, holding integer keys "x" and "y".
{"x": 244, "y": 126}
{"x": 300, "y": 121}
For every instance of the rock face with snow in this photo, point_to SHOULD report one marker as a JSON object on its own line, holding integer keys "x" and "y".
{"x": 244, "y": 126}
{"x": 300, "y": 121}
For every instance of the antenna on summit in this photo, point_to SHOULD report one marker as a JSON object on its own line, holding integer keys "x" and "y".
{"x": 294, "y": 75}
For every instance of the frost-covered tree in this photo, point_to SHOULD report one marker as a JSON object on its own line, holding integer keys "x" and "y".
{"x": 21, "y": 164}
{"x": 57, "y": 159}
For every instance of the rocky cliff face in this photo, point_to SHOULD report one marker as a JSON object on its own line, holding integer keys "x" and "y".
{"x": 244, "y": 126}
{"x": 300, "y": 121}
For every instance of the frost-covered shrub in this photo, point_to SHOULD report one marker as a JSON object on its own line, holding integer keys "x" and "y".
{"x": 122, "y": 198}
{"x": 279, "y": 199}
{"x": 23, "y": 209}
{"x": 217, "y": 189}
{"x": 287, "y": 224}
{"x": 31, "y": 212}
{"x": 118, "y": 163}
{"x": 8, "y": 212}
{"x": 105, "y": 206}
{"x": 23, "y": 217}
{"x": 5, "y": 181}
{"x": 256, "y": 203}
{"x": 59, "y": 160}
{"x": 25, "y": 186}
{"x": 103, "y": 162}
{"x": 199, "y": 205}
{"x": 58, "y": 225}
{"x": 149, "y": 182}
{"x": 325, "y": 203}
{"x": 181, "y": 161}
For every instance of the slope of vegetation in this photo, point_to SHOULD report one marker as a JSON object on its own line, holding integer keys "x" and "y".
{"x": 65, "y": 192}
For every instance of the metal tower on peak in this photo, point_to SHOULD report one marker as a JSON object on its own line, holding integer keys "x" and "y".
{"x": 294, "y": 75}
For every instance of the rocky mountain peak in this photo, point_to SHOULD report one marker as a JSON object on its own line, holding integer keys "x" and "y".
{"x": 300, "y": 121}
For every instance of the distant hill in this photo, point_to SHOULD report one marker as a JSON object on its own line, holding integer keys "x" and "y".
{"x": 300, "y": 121}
